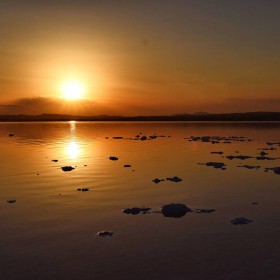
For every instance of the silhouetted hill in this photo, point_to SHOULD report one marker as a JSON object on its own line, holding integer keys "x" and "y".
{"x": 251, "y": 116}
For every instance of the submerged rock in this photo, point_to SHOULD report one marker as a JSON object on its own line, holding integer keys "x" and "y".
{"x": 11, "y": 201}
{"x": 175, "y": 210}
{"x": 174, "y": 179}
{"x": 105, "y": 233}
{"x": 241, "y": 221}
{"x": 67, "y": 168}
{"x": 113, "y": 158}
{"x": 204, "y": 211}
{"x": 136, "y": 210}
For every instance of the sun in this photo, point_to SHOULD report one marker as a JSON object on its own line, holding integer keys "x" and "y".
{"x": 72, "y": 90}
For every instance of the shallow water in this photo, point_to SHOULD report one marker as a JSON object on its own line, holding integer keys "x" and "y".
{"x": 50, "y": 232}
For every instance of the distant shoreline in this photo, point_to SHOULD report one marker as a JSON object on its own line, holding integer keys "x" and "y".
{"x": 230, "y": 117}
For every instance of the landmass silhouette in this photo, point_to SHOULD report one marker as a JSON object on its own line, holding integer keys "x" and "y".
{"x": 238, "y": 117}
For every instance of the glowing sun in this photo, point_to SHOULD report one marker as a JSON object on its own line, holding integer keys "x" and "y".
{"x": 72, "y": 90}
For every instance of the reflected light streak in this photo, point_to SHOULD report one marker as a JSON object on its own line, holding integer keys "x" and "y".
{"x": 72, "y": 127}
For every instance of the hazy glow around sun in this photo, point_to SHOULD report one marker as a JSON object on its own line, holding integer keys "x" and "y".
{"x": 72, "y": 90}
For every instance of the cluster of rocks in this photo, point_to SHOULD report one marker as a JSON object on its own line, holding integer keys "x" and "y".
{"x": 172, "y": 179}
{"x": 218, "y": 139}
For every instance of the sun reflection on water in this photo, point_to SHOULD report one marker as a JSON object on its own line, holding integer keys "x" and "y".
{"x": 73, "y": 149}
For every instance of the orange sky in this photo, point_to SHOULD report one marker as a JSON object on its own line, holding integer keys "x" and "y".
{"x": 139, "y": 58}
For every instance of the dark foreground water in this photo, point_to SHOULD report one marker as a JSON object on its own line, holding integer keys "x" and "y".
{"x": 49, "y": 232}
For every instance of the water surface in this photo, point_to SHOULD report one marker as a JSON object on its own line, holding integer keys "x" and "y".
{"x": 50, "y": 232}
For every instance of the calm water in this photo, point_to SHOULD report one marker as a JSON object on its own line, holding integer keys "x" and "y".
{"x": 50, "y": 232}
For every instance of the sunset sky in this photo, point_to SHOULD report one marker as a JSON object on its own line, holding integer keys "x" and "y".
{"x": 139, "y": 57}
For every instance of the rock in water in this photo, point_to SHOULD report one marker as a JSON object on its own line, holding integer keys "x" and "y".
{"x": 105, "y": 233}
{"x": 204, "y": 211}
{"x": 175, "y": 210}
{"x": 113, "y": 158}
{"x": 241, "y": 221}
{"x": 174, "y": 179}
{"x": 11, "y": 201}
{"x": 67, "y": 168}
{"x": 136, "y": 210}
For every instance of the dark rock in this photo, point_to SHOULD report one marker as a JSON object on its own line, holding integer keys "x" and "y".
{"x": 204, "y": 211}
{"x": 11, "y": 201}
{"x": 217, "y": 165}
{"x": 113, "y": 158}
{"x": 127, "y": 165}
{"x": 117, "y": 137}
{"x": 143, "y": 138}
{"x": 83, "y": 189}
{"x": 136, "y": 210}
{"x": 265, "y": 158}
{"x": 67, "y": 168}
{"x": 174, "y": 179}
{"x": 276, "y": 170}
{"x": 250, "y": 166}
{"x": 105, "y": 233}
{"x": 263, "y": 153}
{"x": 156, "y": 180}
{"x": 175, "y": 210}
{"x": 55, "y": 160}
{"x": 218, "y": 153}
{"x": 11, "y": 135}
{"x": 255, "y": 203}
{"x": 241, "y": 221}
{"x": 238, "y": 157}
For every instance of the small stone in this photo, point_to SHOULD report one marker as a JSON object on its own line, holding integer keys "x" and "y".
{"x": 105, "y": 233}
{"x": 127, "y": 165}
{"x": 11, "y": 201}
{"x": 113, "y": 158}
{"x": 11, "y": 135}
{"x": 55, "y": 160}
{"x": 241, "y": 221}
